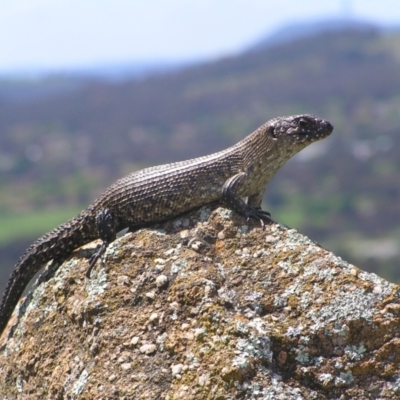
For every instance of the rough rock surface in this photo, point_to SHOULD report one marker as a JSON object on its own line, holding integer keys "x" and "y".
{"x": 206, "y": 306}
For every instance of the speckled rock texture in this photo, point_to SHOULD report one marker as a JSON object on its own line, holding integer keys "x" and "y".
{"x": 206, "y": 306}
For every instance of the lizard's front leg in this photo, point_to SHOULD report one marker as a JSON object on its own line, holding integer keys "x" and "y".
{"x": 232, "y": 200}
{"x": 106, "y": 230}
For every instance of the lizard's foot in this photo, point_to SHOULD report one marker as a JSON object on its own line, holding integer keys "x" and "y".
{"x": 258, "y": 213}
{"x": 95, "y": 257}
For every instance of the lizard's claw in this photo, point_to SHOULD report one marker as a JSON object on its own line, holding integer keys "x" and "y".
{"x": 260, "y": 214}
{"x": 95, "y": 257}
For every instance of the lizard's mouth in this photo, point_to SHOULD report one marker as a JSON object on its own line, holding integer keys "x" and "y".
{"x": 318, "y": 135}
{"x": 309, "y": 138}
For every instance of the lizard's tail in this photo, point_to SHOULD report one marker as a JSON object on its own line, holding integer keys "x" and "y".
{"x": 56, "y": 244}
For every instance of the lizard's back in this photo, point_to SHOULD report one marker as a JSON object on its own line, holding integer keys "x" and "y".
{"x": 160, "y": 192}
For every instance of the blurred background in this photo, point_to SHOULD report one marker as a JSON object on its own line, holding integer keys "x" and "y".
{"x": 93, "y": 90}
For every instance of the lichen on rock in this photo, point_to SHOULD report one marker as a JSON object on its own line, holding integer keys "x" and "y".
{"x": 206, "y": 306}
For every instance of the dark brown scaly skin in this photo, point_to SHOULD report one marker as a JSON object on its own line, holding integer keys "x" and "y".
{"x": 162, "y": 192}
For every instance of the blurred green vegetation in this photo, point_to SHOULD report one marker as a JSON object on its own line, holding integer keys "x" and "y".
{"x": 32, "y": 225}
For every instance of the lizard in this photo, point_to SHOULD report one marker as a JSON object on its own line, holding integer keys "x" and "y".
{"x": 235, "y": 177}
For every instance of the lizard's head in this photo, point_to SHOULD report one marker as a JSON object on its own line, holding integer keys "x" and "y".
{"x": 302, "y": 129}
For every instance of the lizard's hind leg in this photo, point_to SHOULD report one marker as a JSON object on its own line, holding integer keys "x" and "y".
{"x": 106, "y": 229}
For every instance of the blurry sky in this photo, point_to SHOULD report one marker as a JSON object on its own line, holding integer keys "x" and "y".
{"x": 73, "y": 33}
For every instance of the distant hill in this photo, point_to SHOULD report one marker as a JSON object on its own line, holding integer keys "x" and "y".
{"x": 33, "y": 84}
{"x": 60, "y": 152}
{"x": 303, "y": 29}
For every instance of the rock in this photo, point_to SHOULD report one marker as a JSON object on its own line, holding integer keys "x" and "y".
{"x": 148, "y": 348}
{"x": 161, "y": 281}
{"x": 246, "y": 313}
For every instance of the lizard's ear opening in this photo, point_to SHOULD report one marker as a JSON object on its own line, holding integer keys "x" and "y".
{"x": 271, "y": 132}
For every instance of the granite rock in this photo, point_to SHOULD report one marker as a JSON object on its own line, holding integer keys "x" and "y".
{"x": 206, "y": 306}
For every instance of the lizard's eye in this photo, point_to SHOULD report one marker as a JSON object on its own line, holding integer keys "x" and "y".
{"x": 303, "y": 123}
{"x": 271, "y": 132}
